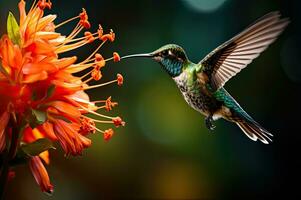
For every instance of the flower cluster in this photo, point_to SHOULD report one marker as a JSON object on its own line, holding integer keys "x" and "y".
{"x": 41, "y": 91}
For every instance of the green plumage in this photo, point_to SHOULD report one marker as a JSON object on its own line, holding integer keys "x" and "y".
{"x": 202, "y": 84}
{"x": 223, "y": 96}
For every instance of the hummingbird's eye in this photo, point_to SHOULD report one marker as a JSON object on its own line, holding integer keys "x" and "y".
{"x": 170, "y": 53}
{"x": 165, "y": 53}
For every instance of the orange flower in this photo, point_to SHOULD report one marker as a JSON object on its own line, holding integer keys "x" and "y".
{"x": 45, "y": 96}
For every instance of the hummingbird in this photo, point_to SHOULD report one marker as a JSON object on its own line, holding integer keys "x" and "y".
{"x": 202, "y": 83}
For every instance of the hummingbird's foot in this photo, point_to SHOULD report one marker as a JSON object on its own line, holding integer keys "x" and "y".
{"x": 208, "y": 123}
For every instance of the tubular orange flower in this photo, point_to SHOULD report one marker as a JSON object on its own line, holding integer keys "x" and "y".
{"x": 46, "y": 97}
{"x": 40, "y": 174}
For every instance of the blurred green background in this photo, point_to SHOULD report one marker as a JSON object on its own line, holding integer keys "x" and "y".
{"x": 165, "y": 151}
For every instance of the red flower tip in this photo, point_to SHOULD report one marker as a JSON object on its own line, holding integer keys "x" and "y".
{"x": 106, "y": 37}
{"x": 98, "y": 57}
{"x": 108, "y": 134}
{"x": 96, "y": 74}
{"x": 84, "y": 19}
{"x": 83, "y": 15}
{"x": 89, "y": 37}
{"x": 110, "y": 36}
{"x": 109, "y": 104}
{"x": 118, "y": 121}
{"x": 99, "y": 61}
{"x": 42, "y": 4}
{"x": 85, "y": 24}
{"x": 119, "y": 79}
{"x": 116, "y": 57}
{"x": 100, "y": 31}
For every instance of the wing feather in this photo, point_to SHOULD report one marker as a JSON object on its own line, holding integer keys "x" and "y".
{"x": 231, "y": 57}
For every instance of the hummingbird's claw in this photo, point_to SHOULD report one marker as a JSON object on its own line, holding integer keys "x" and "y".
{"x": 208, "y": 123}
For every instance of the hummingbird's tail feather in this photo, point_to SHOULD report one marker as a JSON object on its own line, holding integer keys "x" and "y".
{"x": 254, "y": 131}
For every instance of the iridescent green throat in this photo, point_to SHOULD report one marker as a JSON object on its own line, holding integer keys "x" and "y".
{"x": 172, "y": 67}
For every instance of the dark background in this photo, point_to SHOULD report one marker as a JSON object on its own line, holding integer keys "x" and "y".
{"x": 165, "y": 151}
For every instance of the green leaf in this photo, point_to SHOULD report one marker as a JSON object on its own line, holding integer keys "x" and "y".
{"x": 50, "y": 91}
{"x": 13, "y": 29}
{"x": 37, "y": 118}
{"x": 37, "y": 147}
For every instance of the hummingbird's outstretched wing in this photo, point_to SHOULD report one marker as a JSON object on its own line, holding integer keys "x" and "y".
{"x": 228, "y": 59}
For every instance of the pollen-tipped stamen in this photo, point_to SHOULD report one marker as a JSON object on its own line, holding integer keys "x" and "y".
{"x": 66, "y": 21}
{"x": 95, "y": 51}
{"x": 93, "y": 112}
{"x": 99, "y": 85}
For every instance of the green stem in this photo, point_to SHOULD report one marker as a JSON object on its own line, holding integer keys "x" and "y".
{"x": 7, "y": 158}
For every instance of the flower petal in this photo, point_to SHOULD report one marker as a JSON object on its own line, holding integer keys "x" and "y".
{"x": 40, "y": 174}
{"x": 66, "y": 108}
{"x": 35, "y": 77}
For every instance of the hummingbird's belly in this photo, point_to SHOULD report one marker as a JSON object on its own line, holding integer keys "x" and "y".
{"x": 196, "y": 97}
{"x": 198, "y": 101}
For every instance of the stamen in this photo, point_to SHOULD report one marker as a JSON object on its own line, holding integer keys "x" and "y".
{"x": 118, "y": 122}
{"x": 108, "y": 134}
{"x": 98, "y": 129}
{"x": 78, "y": 28}
{"x": 110, "y": 36}
{"x": 100, "y": 31}
{"x": 67, "y": 21}
{"x": 108, "y": 104}
{"x": 116, "y": 57}
{"x": 93, "y": 112}
{"x": 99, "y": 121}
{"x": 87, "y": 74}
{"x": 84, "y": 19}
{"x": 33, "y": 6}
{"x": 81, "y": 38}
{"x": 88, "y": 80}
{"x": 102, "y": 121}
{"x": 119, "y": 79}
{"x": 89, "y": 37}
{"x": 99, "y": 85}
{"x": 42, "y": 4}
{"x": 95, "y": 51}
{"x": 70, "y": 47}
{"x": 96, "y": 74}
{"x": 75, "y": 32}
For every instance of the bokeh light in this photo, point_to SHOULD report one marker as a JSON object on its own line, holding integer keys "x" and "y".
{"x": 165, "y": 122}
{"x": 204, "y": 5}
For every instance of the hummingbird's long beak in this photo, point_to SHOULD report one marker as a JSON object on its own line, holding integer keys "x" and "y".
{"x": 143, "y": 55}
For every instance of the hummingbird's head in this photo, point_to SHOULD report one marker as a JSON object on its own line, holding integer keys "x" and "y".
{"x": 171, "y": 57}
